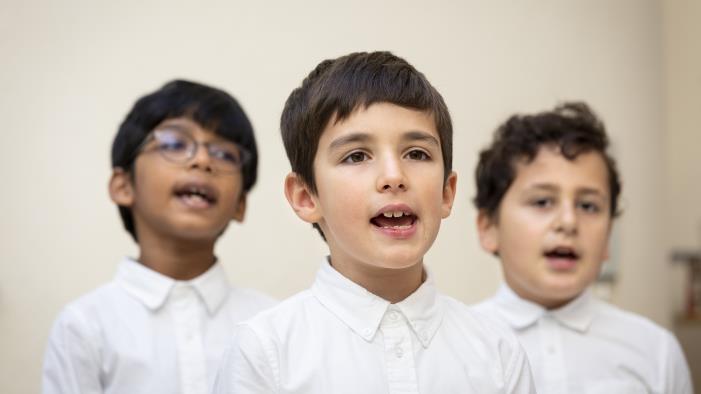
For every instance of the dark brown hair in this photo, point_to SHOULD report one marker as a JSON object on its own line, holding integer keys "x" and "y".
{"x": 338, "y": 87}
{"x": 572, "y": 127}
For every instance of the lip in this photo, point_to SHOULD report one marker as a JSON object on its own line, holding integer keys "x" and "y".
{"x": 562, "y": 264}
{"x": 210, "y": 191}
{"x": 397, "y": 233}
{"x": 394, "y": 208}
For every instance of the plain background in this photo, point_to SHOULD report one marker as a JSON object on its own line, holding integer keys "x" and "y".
{"x": 70, "y": 71}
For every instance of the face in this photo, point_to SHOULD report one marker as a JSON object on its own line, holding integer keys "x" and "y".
{"x": 173, "y": 196}
{"x": 552, "y": 228}
{"x": 380, "y": 191}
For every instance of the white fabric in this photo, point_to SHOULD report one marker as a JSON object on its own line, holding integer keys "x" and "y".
{"x": 339, "y": 338}
{"x": 146, "y": 333}
{"x": 589, "y": 346}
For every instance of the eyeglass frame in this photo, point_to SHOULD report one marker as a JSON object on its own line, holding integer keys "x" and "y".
{"x": 246, "y": 156}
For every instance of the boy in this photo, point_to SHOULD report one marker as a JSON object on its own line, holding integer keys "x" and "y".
{"x": 547, "y": 192}
{"x": 370, "y": 144}
{"x": 183, "y": 160}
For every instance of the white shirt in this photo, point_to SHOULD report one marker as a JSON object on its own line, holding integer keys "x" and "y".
{"x": 589, "y": 346}
{"x": 146, "y": 333}
{"x": 339, "y": 338}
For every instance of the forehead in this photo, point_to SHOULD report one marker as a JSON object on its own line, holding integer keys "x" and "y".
{"x": 380, "y": 120}
{"x": 190, "y": 126}
{"x": 549, "y": 167}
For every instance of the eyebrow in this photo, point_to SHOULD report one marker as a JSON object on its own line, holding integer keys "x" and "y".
{"x": 554, "y": 188}
{"x": 349, "y": 139}
{"x": 420, "y": 136}
{"x": 413, "y": 135}
{"x": 174, "y": 125}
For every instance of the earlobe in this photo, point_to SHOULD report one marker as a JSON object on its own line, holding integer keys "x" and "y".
{"x": 121, "y": 188}
{"x": 302, "y": 201}
{"x": 449, "y": 190}
{"x": 487, "y": 230}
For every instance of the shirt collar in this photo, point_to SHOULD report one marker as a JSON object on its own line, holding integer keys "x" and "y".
{"x": 578, "y": 313}
{"x": 423, "y": 310}
{"x": 153, "y": 288}
{"x": 363, "y": 311}
{"x": 520, "y": 313}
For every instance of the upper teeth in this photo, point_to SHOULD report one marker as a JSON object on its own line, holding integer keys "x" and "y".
{"x": 197, "y": 190}
{"x": 396, "y": 214}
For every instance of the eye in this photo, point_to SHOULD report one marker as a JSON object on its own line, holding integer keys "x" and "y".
{"x": 230, "y": 155}
{"x": 355, "y": 157}
{"x": 171, "y": 142}
{"x": 542, "y": 202}
{"x": 588, "y": 206}
{"x": 418, "y": 154}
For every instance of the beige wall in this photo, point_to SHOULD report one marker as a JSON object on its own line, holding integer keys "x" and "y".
{"x": 682, "y": 131}
{"x": 682, "y": 136}
{"x": 70, "y": 71}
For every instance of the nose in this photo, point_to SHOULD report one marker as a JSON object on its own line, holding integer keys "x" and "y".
{"x": 566, "y": 221}
{"x": 392, "y": 177}
{"x": 200, "y": 158}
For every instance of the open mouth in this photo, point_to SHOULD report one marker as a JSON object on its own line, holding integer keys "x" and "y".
{"x": 196, "y": 195}
{"x": 562, "y": 259}
{"x": 398, "y": 220}
{"x": 562, "y": 253}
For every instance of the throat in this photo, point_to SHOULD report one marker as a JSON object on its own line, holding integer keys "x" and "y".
{"x": 393, "y": 285}
{"x": 177, "y": 260}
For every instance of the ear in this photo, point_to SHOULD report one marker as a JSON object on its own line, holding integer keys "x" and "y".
{"x": 488, "y": 232}
{"x": 449, "y": 190}
{"x": 240, "y": 212}
{"x": 121, "y": 187}
{"x": 607, "y": 248}
{"x": 302, "y": 201}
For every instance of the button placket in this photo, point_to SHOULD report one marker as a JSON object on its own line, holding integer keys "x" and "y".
{"x": 399, "y": 357}
{"x": 553, "y": 358}
{"x": 190, "y": 350}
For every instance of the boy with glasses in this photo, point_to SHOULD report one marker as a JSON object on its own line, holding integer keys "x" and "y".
{"x": 183, "y": 160}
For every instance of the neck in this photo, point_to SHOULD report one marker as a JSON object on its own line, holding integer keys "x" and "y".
{"x": 177, "y": 259}
{"x": 548, "y": 303}
{"x": 391, "y": 284}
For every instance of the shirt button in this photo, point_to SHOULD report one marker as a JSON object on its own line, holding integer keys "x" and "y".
{"x": 393, "y": 316}
{"x": 398, "y": 352}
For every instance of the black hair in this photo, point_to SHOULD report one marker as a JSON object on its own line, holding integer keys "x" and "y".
{"x": 211, "y": 108}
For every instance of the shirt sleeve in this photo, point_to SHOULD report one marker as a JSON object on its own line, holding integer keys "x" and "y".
{"x": 248, "y": 367}
{"x": 71, "y": 362}
{"x": 677, "y": 376}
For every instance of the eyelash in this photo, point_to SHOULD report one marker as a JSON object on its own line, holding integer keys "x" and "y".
{"x": 546, "y": 202}
{"x": 349, "y": 158}
{"x": 590, "y": 207}
{"x": 542, "y": 202}
{"x": 424, "y": 155}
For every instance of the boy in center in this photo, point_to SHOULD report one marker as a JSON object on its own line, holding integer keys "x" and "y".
{"x": 370, "y": 144}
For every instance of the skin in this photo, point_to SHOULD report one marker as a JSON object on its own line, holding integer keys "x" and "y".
{"x": 381, "y": 158}
{"x": 177, "y": 236}
{"x": 552, "y": 203}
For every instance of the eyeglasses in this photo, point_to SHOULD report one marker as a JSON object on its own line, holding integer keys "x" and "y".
{"x": 180, "y": 147}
